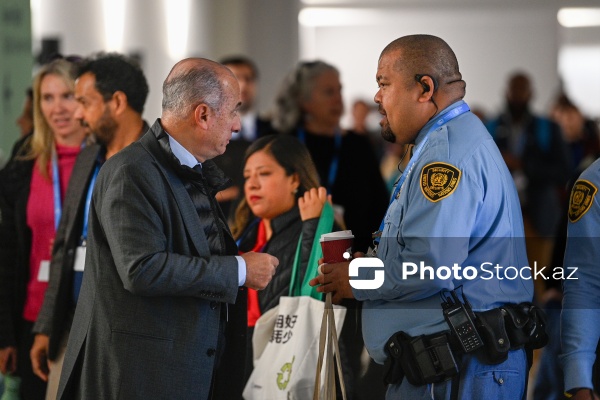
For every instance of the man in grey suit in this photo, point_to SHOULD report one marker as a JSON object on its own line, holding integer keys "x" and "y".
{"x": 162, "y": 310}
{"x": 112, "y": 91}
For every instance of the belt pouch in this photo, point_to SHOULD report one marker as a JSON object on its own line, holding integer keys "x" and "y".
{"x": 406, "y": 359}
{"x": 426, "y": 359}
{"x": 393, "y": 373}
{"x": 490, "y": 325}
{"x": 516, "y": 317}
{"x": 535, "y": 328}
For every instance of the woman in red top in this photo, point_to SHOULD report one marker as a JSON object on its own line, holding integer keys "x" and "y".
{"x": 32, "y": 187}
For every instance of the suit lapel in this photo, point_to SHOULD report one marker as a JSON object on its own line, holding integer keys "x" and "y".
{"x": 79, "y": 185}
{"x": 190, "y": 217}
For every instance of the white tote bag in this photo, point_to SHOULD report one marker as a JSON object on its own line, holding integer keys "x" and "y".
{"x": 286, "y": 349}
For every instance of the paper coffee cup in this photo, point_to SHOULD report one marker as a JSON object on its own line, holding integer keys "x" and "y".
{"x": 335, "y": 244}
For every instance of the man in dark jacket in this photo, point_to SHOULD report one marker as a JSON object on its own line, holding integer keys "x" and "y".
{"x": 112, "y": 90}
{"x": 161, "y": 313}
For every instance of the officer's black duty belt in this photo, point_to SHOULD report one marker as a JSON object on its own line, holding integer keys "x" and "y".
{"x": 433, "y": 358}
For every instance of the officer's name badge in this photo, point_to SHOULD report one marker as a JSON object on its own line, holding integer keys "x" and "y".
{"x": 582, "y": 197}
{"x": 439, "y": 180}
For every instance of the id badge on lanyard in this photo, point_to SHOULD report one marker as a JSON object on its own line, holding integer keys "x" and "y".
{"x": 44, "y": 270}
{"x": 79, "y": 264}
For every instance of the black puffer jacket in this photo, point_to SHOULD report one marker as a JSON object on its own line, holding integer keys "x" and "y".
{"x": 286, "y": 232}
{"x": 202, "y": 188}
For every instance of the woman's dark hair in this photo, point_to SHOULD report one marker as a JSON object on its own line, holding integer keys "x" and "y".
{"x": 293, "y": 156}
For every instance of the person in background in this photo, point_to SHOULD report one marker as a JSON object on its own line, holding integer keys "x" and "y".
{"x": 581, "y": 134}
{"x": 536, "y": 155}
{"x": 309, "y": 106}
{"x": 162, "y": 307}
{"x": 583, "y": 142}
{"x": 282, "y": 200}
{"x": 455, "y": 203}
{"x": 111, "y": 90}
{"x": 25, "y": 120}
{"x": 253, "y": 127}
{"x": 32, "y": 191}
{"x": 361, "y": 110}
{"x": 25, "y": 123}
{"x": 580, "y": 316}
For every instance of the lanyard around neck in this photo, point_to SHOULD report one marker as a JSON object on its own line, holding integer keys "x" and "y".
{"x": 444, "y": 119}
{"x": 88, "y": 201}
{"x": 56, "y": 191}
{"x": 335, "y": 160}
{"x": 56, "y": 188}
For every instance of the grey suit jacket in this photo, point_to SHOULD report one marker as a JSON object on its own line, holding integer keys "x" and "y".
{"x": 56, "y": 314}
{"x": 148, "y": 318}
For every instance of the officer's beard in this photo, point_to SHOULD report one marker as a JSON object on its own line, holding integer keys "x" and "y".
{"x": 387, "y": 134}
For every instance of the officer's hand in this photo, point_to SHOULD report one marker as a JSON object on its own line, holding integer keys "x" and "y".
{"x": 334, "y": 278}
{"x": 8, "y": 359}
{"x": 39, "y": 356}
{"x": 260, "y": 268}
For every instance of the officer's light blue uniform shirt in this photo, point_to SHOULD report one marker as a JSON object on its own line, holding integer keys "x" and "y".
{"x": 580, "y": 318}
{"x": 457, "y": 205}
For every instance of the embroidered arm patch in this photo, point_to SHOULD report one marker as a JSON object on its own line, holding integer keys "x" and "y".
{"x": 582, "y": 197}
{"x": 439, "y": 180}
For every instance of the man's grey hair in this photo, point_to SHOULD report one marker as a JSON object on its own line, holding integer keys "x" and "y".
{"x": 183, "y": 92}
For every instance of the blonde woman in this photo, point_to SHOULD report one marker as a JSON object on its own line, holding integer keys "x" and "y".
{"x": 32, "y": 187}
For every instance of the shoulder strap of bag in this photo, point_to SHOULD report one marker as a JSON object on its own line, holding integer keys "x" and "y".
{"x": 328, "y": 347}
{"x": 298, "y": 288}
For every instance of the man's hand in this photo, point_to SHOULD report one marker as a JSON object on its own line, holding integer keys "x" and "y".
{"x": 334, "y": 278}
{"x": 39, "y": 356}
{"x": 260, "y": 268}
{"x": 231, "y": 193}
{"x": 8, "y": 360}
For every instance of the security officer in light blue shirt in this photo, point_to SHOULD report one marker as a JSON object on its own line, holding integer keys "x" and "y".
{"x": 454, "y": 215}
{"x": 580, "y": 318}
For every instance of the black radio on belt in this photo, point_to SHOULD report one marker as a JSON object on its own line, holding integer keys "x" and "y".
{"x": 459, "y": 317}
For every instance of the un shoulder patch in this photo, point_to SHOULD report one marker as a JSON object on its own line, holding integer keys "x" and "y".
{"x": 582, "y": 197}
{"x": 439, "y": 180}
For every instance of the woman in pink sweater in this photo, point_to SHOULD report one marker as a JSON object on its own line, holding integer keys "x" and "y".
{"x": 32, "y": 187}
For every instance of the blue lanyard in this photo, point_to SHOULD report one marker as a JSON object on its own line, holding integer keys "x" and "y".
{"x": 335, "y": 160}
{"x": 56, "y": 190}
{"x": 455, "y": 112}
{"x": 251, "y": 225}
{"x": 247, "y": 232}
{"x": 88, "y": 201}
